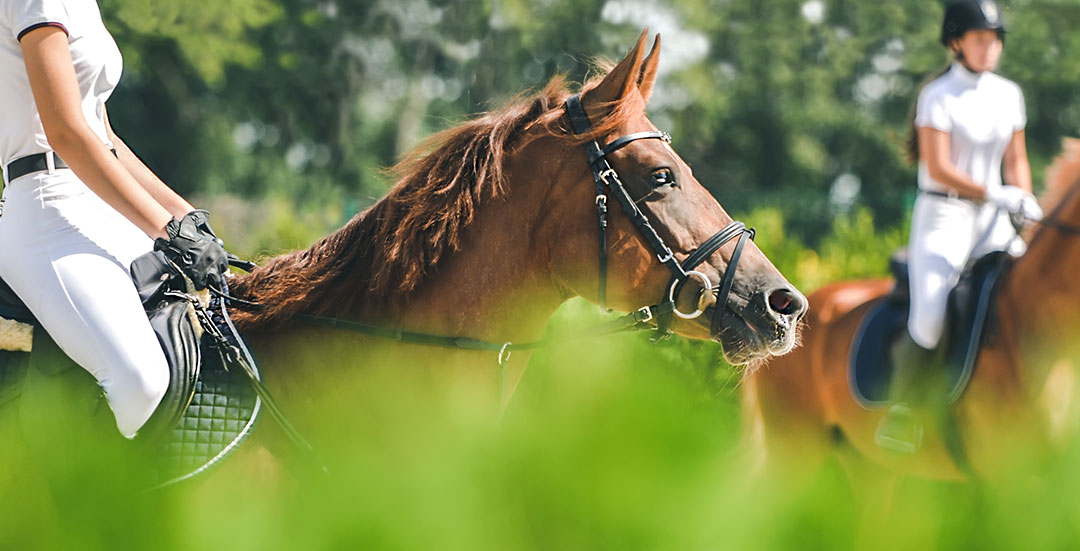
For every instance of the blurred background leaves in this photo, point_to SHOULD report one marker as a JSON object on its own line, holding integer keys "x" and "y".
{"x": 281, "y": 116}
{"x": 799, "y": 105}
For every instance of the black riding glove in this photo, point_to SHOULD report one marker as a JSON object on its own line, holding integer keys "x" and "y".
{"x": 202, "y": 222}
{"x": 200, "y": 256}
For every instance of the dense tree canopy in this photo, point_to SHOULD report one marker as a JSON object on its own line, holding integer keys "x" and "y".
{"x": 799, "y": 104}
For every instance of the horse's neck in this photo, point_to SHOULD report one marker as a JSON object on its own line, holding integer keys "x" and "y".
{"x": 492, "y": 294}
{"x": 496, "y": 287}
{"x": 1040, "y": 302}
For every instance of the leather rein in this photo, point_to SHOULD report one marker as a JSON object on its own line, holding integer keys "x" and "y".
{"x": 656, "y": 316}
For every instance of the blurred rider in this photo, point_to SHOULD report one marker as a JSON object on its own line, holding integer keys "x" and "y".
{"x": 968, "y": 131}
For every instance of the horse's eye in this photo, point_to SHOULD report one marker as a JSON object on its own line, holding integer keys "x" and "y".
{"x": 663, "y": 177}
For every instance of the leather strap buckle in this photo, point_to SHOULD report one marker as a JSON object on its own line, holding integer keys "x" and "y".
{"x": 643, "y": 314}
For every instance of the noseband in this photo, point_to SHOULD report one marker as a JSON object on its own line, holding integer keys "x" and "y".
{"x": 605, "y": 176}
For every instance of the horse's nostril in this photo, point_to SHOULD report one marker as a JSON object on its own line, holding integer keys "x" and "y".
{"x": 786, "y": 302}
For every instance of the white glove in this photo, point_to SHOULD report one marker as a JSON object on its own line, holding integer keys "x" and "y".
{"x": 1019, "y": 203}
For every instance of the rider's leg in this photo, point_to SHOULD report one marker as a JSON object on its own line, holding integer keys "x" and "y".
{"x": 941, "y": 240}
{"x": 66, "y": 254}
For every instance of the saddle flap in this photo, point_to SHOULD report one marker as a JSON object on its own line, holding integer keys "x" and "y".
{"x": 966, "y": 328}
{"x": 178, "y": 332}
{"x": 151, "y": 273}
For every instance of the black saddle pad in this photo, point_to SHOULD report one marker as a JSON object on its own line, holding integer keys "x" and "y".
{"x": 221, "y": 416}
{"x": 206, "y": 412}
{"x": 966, "y": 327}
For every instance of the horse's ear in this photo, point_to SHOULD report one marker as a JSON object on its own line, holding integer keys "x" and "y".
{"x": 648, "y": 70}
{"x": 621, "y": 80}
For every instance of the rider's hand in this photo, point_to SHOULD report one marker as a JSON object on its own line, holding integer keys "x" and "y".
{"x": 1017, "y": 202}
{"x": 202, "y": 222}
{"x": 198, "y": 253}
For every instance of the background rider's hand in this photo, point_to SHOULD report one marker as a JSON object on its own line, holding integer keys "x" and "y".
{"x": 198, "y": 254}
{"x": 1017, "y": 202}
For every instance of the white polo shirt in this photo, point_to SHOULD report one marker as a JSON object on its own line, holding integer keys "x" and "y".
{"x": 980, "y": 112}
{"x": 97, "y": 67}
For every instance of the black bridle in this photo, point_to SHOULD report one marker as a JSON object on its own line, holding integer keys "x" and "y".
{"x": 606, "y": 177}
{"x": 642, "y": 318}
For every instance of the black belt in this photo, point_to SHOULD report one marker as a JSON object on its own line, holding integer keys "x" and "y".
{"x": 943, "y": 194}
{"x": 34, "y": 163}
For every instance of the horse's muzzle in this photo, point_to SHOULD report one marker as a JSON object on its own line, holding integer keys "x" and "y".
{"x": 764, "y": 325}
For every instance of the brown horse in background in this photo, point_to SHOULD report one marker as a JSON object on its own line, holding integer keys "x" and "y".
{"x": 1019, "y": 402}
{"x": 490, "y": 228}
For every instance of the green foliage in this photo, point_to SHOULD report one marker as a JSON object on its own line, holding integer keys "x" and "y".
{"x": 602, "y": 447}
{"x": 280, "y": 115}
{"x": 854, "y": 249}
{"x": 208, "y": 35}
{"x": 771, "y": 102}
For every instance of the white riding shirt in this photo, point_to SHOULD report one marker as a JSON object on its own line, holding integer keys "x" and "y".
{"x": 980, "y": 112}
{"x": 95, "y": 55}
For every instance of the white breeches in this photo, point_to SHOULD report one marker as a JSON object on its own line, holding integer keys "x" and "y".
{"x": 66, "y": 254}
{"x": 945, "y": 233}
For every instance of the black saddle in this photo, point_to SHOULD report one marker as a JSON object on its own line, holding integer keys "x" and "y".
{"x": 207, "y": 410}
{"x": 12, "y": 307}
{"x": 968, "y": 325}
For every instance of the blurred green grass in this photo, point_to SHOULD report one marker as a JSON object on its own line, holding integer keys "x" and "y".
{"x": 607, "y": 445}
{"x": 615, "y": 443}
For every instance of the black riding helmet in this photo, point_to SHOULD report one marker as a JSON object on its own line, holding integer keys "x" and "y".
{"x": 962, "y": 16}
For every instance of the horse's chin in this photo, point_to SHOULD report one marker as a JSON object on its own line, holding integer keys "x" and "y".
{"x": 745, "y": 342}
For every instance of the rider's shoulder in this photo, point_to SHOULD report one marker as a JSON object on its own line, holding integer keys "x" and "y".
{"x": 1004, "y": 83}
{"x": 936, "y": 89}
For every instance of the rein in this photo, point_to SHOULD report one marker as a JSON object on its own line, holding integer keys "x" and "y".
{"x": 637, "y": 320}
{"x": 1067, "y": 229}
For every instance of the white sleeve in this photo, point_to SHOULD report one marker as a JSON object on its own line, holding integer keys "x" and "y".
{"x": 930, "y": 110}
{"x": 1021, "y": 114}
{"x": 27, "y": 15}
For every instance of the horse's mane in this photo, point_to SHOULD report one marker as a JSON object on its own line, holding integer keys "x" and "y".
{"x": 1062, "y": 175}
{"x": 388, "y": 250}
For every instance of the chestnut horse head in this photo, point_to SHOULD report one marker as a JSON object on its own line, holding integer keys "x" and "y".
{"x": 501, "y": 214}
{"x": 667, "y": 232}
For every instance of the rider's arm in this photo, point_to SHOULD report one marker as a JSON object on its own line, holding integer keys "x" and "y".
{"x": 161, "y": 192}
{"x": 934, "y": 148}
{"x": 56, "y": 92}
{"x": 1015, "y": 166}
